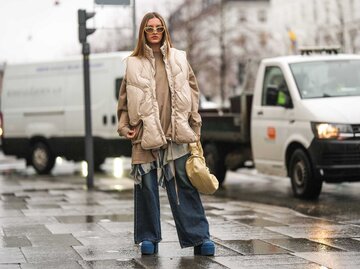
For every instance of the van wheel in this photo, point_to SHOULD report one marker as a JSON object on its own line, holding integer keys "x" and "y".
{"x": 304, "y": 183}
{"x": 213, "y": 161}
{"x": 42, "y": 158}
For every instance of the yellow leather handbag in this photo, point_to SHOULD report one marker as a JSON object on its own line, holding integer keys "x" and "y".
{"x": 197, "y": 171}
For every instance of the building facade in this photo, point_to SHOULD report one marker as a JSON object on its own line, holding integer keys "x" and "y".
{"x": 226, "y": 39}
{"x": 223, "y": 38}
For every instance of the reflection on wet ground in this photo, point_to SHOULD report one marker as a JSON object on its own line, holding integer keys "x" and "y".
{"x": 97, "y": 218}
{"x": 53, "y": 222}
{"x": 338, "y": 202}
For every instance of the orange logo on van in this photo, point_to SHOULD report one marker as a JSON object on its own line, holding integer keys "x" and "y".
{"x": 271, "y": 133}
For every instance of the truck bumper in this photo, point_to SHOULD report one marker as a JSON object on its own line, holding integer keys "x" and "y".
{"x": 336, "y": 160}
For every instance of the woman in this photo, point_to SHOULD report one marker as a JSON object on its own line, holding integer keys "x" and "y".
{"x": 158, "y": 111}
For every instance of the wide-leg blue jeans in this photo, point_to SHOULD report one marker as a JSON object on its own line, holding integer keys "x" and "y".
{"x": 189, "y": 215}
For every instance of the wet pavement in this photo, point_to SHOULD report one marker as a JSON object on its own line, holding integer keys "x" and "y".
{"x": 54, "y": 222}
{"x": 337, "y": 202}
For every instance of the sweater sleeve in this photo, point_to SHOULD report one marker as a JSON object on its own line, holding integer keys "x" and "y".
{"x": 122, "y": 111}
{"x": 195, "y": 118}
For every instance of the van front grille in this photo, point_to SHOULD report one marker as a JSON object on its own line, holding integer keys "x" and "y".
{"x": 342, "y": 158}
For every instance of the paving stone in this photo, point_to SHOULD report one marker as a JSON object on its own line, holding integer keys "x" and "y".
{"x": 300, "y": 220}
{"x": 33, "y": 192}
{"x": 237, "y": 213}
{"x": 17, "y": 230}
{"x": 11, "y": 255}
{"x": 95, "y": 218}
{"x": 110, "y": 264}
{"x": 9, "y": 266}
{"x": 323, "y": 231}
{"x": 10, "y": 212}
{"x": 42, "y": 206}
{"x": 98, "y": 210}
{"x": 12, "y": 206}
{"x": 284, "y": 266}
{"x": 301, "y": 245}
{"x": 348, "y": 244}
{"x": 108, "y": 252}
{"x": 260, "y": 261}
{"x": 16, "y": 221}
{"x": 251, "y": 247}
{"x": 50, "y": 254}
{"x": 258, "y": 222}
{"x": 107, "y": 239}
{"x": 264, "y": 208}
{"x": 10, "y": 197}
{"x": 117, "y": 201}
{"x": 179, "y": 262}
{"x": 118, "y": 227}
{"x": 353, "y": 222}
{"x": 334, "y": 260}
{"x": 85, "y": 197}
{"x": 14, "y": 241}
{"x": 52, "y": 265}
{"x": 77, "y": 229}
{"x": 47, "y": 198}
{"x": 53, "y": 240}
{"x": 173, "y": 249}
{"x": 50, "y": 212}
{"x": 234, "y": 232}
{"x": 228, "y": 206}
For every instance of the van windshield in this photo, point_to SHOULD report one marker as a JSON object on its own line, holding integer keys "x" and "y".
{"x": 333, "y": 78}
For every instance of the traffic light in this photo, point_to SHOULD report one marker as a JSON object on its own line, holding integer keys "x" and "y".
{"x": 83, "y": 31}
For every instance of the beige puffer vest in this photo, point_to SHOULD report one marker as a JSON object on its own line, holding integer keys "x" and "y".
{"x": 142, "y": 102}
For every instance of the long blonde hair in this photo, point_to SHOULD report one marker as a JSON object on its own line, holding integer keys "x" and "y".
{"x": 139, "y": 50}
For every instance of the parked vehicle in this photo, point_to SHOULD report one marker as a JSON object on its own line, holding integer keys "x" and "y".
{"x": 42, "y": 110}
{"x": 302, "y": 121}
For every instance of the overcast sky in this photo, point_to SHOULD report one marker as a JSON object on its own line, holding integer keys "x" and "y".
{"x": 32, "y": 30}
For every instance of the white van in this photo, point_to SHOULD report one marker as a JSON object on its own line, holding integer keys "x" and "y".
{"x": 305, "y": 120}
{"x": 43, "y": 110}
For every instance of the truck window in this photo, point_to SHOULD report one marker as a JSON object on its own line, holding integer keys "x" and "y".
{"x": 118, "y": 82}
{"x": 275, "y": 89}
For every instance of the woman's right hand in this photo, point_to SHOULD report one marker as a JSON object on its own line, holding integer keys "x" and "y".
{"x": 131, "y": 134}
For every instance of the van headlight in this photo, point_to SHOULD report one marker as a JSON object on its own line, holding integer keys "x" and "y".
{"x": 331, "y": 130}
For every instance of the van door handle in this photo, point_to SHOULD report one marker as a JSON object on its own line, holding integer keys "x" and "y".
{"x": 260, "y": 113}
{"x": 104, "y": 120}
{"x": 113, "y": 119}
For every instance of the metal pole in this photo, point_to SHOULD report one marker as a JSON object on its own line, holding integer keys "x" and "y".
{"x": 222, "y": 54}
{"x": 134, "y": 22}
{"x": 89, "y": 151}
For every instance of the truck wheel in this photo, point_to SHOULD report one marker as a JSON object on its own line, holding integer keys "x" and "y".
{"x": 213, "y": 161}
{"x": 42, "y": 158}
{"x": 304, "y": 183}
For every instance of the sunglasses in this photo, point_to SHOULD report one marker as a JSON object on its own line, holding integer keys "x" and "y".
{"x": 151, "y": 30}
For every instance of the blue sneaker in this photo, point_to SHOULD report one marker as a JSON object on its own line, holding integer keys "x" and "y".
{"x": 205, "y": 249}
{"x": 149, "y": 248}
